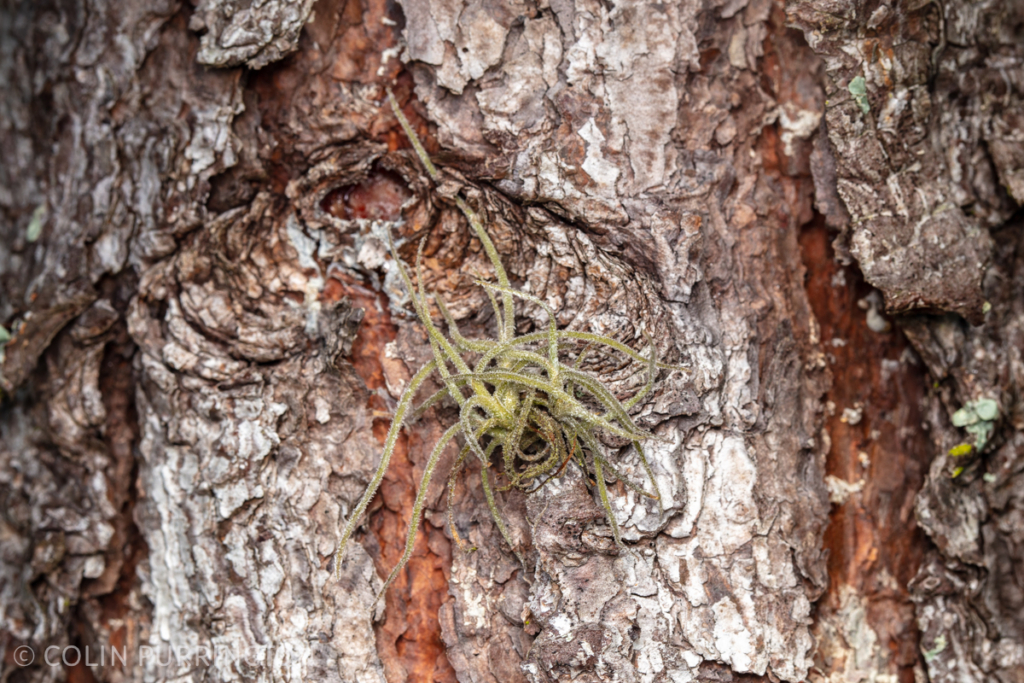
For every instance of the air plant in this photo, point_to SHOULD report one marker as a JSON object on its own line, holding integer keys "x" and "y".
{"x": 514, "y": 395}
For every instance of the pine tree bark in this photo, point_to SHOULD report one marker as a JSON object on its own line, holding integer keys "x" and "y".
{"x": 810, "y": 204}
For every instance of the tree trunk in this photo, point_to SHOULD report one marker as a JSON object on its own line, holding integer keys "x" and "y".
{"x": 810, "y": 205}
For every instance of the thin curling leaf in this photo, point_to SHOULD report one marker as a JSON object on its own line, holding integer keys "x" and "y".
{"x": 417, "y": 507}
{"x": 452, "y": 386}
{"x": 606, "y": 398}
{"x": 582, "y": 355}
{"x": 453, "y": 479}
{"x": 540, "y": 337}
{"x": 619, "y": 476}
{"x": 474, "y": 345}
{"x": 424, "y": 315}
{"x": 469, "y": 431}
{"x": 639, "y": 490}
{"x": 553, "y": 440}
{"x": 599, "y": 339}
{"x": 558, "y": 464}
{"x": 511, "y": 450}
{"x": 456, "y": 359}
{"x": 567, "y": 406}
{"x": 492, "y": 253}
{"x": 508, "y": 310}
{"x": 389, "y": 448}
{"x": 498, "y": 522}
{"x": 650, "y": 476}
{"x": 411, "y": 134}
{"x": 497, "y": 315}
{"x": 602, "y": 490}
{"x": 437, "y": 397}
{"x": 652, "y": 373}
{"x": 555, "y": 456}
{"x": 569, "y": 389}
{"x": 420, "y": 290}
{"x": 552, "y": 326}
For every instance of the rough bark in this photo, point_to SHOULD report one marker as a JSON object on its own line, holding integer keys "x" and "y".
{"x": 929, "y": 165}
{"x": 208, "y": 336}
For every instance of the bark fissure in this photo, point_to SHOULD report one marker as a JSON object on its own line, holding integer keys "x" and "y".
{"x": 878, "y": 456}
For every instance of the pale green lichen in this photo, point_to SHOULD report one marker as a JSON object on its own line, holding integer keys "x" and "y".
{"x": 939, "y": 646}
{"x": 978, "y": 418}
{"x": 858, "y": 87}
{"x": 517, "y": 396}
{"x": 35, "y": 224}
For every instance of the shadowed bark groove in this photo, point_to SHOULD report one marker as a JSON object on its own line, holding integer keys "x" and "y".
{"x": 865, "y": 624}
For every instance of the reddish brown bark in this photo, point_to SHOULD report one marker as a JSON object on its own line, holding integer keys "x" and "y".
{"x": 874, "y": 421}
{"x": 409, "y": 640}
